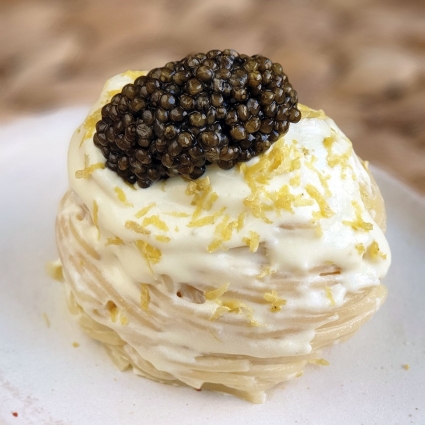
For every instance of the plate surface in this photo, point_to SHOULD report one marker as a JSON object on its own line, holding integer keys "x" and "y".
{"x": 44, "y": 378}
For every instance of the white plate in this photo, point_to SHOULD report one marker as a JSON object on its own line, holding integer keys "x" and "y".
{"x": 45, "y": 379}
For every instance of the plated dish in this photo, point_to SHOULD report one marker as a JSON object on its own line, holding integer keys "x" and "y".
{"x": 63, "y": 368}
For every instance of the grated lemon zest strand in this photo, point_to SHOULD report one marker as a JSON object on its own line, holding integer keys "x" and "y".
{"x": 144, "y": 296}
{"x": 89, "y": 125}
{"x": 276, "y": 302}
{"x": 361, "y": 249}
{"x": 132, "y": 225}
{"x": 151, "y": 254}
{"x": 205, "y": 221}
{"x": 374, "y": 251}
{"x": 253, "y": 241}
{"x": 325, "y": 211}
{"x": 266, "y": 272}
{"x": 122, "y": 197}
{"x": 320, "y": 362}
{"x": 241, "y": 221}
{"x": 178, "y": 214}
{"x": 86, "y": 172}
{"x": 96, "y": 217}
{"x": 223, "y": 233}
{"x": 54, "y": 270}
{"x": 144, "y": 210}
{"x": 162, "y": 238}
{"x": 329, "y": 295}
{"x": 358, "y": 223}
{"x": 307, "y": 112}
{"x": 114, "y": 241}
{"x": 154, "y": 220}
{"x": 217, "y": 293}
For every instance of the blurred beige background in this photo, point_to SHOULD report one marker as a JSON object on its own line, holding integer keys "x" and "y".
{"x": 362, "y": 61}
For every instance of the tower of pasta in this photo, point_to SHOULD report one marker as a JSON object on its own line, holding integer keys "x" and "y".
{"x": 216, "y": 233}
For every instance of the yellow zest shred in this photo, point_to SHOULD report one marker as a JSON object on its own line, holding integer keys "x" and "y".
{"x": 318, "y": 230}
{"x": 162, "y": 238}
{"x": 266, "y": 272}
{"x": 295, "y": 181}
{"x": 144, "y": 210}
{"x": 217, "y": 293}
{"x": 358, "y": 223}
{"x": 89, "y": 125}
{"x": 257, "y": 207}
{"x": 144, "y": 296}
{"x": 210, "y": 201}
{"x": 230, "y": 306}
{"x": 154, "y": 220}
{"x": 375, "y": 252}
{"x": 361, "y": 249}
{"x": 323, "y": 179}
{"x": 114, "y": 241}
{"x": 121, "y": 196}
{"x": 253, "y": 241}
{"x": 178, "y": 214}
{"x": 203, "y": 200}
{"x": 253, "y": 322}
{"x": 325, "y": 211}
{"x": 219, "y": 311}
{"x": 75, "y": 344}
{"x": 241, "y": 221}
{"x": 276, "y": 302}
{"x": 282, "y": 157}
{"x": 151, "y": 254}
{"x": 54, "y": 270}
{"x": 197, "y": 186}
{"x": 89, "y": 170}
{"x": 307, "y": 112}
{"x": 301, "y": 201}
{"x": 205, "y": 221}
{"x": 320, "y": 362}
{"x": 406, "y": 367}
{"x": 223, "y": 233}
{"x": 282, "y": 198}
{"x": 329, "y": 295}
{"x": 96, "y": 218}
{"x": 131, "y": 186}
{"x": 335, "y": 159}
{"x": 136, "y": 227}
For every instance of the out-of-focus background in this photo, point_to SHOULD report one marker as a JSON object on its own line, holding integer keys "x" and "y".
{"x": 362, "y": 61}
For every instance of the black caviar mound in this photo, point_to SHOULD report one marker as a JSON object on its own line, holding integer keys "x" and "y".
{"x": 215, "y": 108}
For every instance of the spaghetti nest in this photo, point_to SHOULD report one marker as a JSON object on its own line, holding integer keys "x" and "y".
{"x": 132, "y": 323}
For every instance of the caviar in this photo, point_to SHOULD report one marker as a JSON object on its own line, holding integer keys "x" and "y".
{"x": 220, "y": 107}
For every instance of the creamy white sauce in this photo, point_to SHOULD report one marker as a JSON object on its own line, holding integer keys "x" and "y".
{"x": 293, "y": 254}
